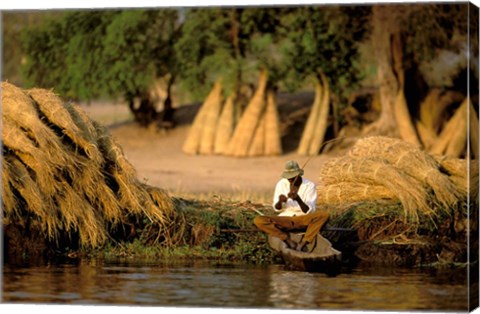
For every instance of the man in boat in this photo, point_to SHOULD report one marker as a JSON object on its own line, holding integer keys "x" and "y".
{"x": 294, "y": 199}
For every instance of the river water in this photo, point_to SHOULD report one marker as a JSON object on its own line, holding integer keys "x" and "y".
{"x": 208, "y": 284}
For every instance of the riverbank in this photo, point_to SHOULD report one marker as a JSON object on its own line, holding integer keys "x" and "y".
{"x": 97, "y": 190}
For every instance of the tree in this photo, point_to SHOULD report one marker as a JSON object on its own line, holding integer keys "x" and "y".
{"x": 13, "y": 24}
{"x": 403, "y": 37}
{"x": 110, "y": 53}
{"x": 232, "y": 45}
{"x": 323, "y": 45}
{"x": 225, "y": 42}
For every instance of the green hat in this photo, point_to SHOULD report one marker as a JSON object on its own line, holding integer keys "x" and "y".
{"x": 292, "y": 169}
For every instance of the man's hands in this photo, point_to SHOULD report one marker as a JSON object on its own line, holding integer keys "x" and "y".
{"x": 281, "y": 200}
{"x": 293, "y": 194}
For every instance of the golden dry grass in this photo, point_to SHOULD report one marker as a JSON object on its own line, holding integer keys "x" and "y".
{"x": 379, "y": 168}
{"x": 244, "y": 133}
{"x": 273, "y": 142}
{"x": 225, "y": 126}
{"x": 411, "y": 160}
{"x": 66, "y": 172}
{"x": 375, "y": 171}
{"x": 200, "y": 128}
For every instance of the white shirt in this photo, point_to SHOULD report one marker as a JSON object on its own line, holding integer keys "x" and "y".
{"x": 307, "y": 192}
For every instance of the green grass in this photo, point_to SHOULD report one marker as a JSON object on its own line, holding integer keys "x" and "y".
{"x": 228, "y": 235}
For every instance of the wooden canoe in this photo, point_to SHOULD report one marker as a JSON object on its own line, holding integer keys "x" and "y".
{"x": 322, "y": 258}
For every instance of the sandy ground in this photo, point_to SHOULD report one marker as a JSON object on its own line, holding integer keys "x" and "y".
{"x": 159, "y": 161}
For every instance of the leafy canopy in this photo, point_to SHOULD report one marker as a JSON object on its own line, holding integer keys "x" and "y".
{"x": 110, "y": 53}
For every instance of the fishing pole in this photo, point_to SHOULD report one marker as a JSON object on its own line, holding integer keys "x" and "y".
{"x": 310, "y": 158}
{"x": 303, "y": 167}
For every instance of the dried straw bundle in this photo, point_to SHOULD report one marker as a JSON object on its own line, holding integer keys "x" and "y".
{"x": 65, "y": 171}
{"x": 351, "y": 192}
{"x": 195, "y": 135}
{"x": 21, "y": 109}
{"x": 11, "y": 207}
{"x": 83, "y": 121}
{"x": 375, "y": 171}
{"x": 17, "y": 175}
{"x": 322, "y": 119}
{"x": 159, "y": 198}
{"x": 18, "y": 143}
{"x": 307, "y": 135}
{"x": 214, "y": 104}
{"x": 273, "y": 143}
{"x": 463, "y": 173}
{"x": 56, "y": 112}
{"x": 131, "y": 194}
{"x": 244, "y": 132}
{"x": 411, "y": 160}
{"x": 257, "y": 148}
{"x": 225, "y": 126}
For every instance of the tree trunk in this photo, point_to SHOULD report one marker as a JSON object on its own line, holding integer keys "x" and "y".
{"x": 395, "y": 118}
{"x": 427, "y": 136}
{"x": 452, "y": 139}
{"x": 473, "y": 131}
{"x": 458, "y": 143}
{"x": 433, "y": 108}
{"x": 383, "y": 28}
{"x": 168, "y": 121}
{"x": 142, "y": 108}
{"x": 404, "y": 120}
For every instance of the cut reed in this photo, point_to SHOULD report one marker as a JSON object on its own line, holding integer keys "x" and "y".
{"x": 47, "y": 178}
{"x": 412, "y": 161}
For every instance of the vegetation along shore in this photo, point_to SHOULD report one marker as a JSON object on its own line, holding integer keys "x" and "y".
{"x": 69, "y": 191}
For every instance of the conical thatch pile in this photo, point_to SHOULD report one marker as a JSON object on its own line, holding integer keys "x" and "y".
{"x": 226, "y": 125}
{"x": 219, "y": 129}
{"x": 314, "y": 133}
{"x": 257, "y": 132}
{"x": 64, "y": 171}
{"x": 201, "y": 137}
{"x": 379, "y": 168}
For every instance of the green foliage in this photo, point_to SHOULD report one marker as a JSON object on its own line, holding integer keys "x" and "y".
{"x": 110, "y": 53}
{"x": 13, "y": 23}
{"x": 325, "y": 38}
{"x": 430, "y": 27}
{"x": 231, "y": 43}
{"x": 204, "y": 50}
{"x": 119, "y": 53}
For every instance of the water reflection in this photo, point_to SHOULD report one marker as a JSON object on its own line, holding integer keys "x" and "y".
{"x": 206, "y": 284}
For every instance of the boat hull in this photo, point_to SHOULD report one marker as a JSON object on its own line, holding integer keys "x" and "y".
{"x": 322, "y": 258}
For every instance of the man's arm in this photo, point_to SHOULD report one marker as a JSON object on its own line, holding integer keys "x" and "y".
{"x": 281, "y": 200}
{"x": 294, "y": 196}
{"x": 308, "y": 200}
{"x": 279, "y": 196}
